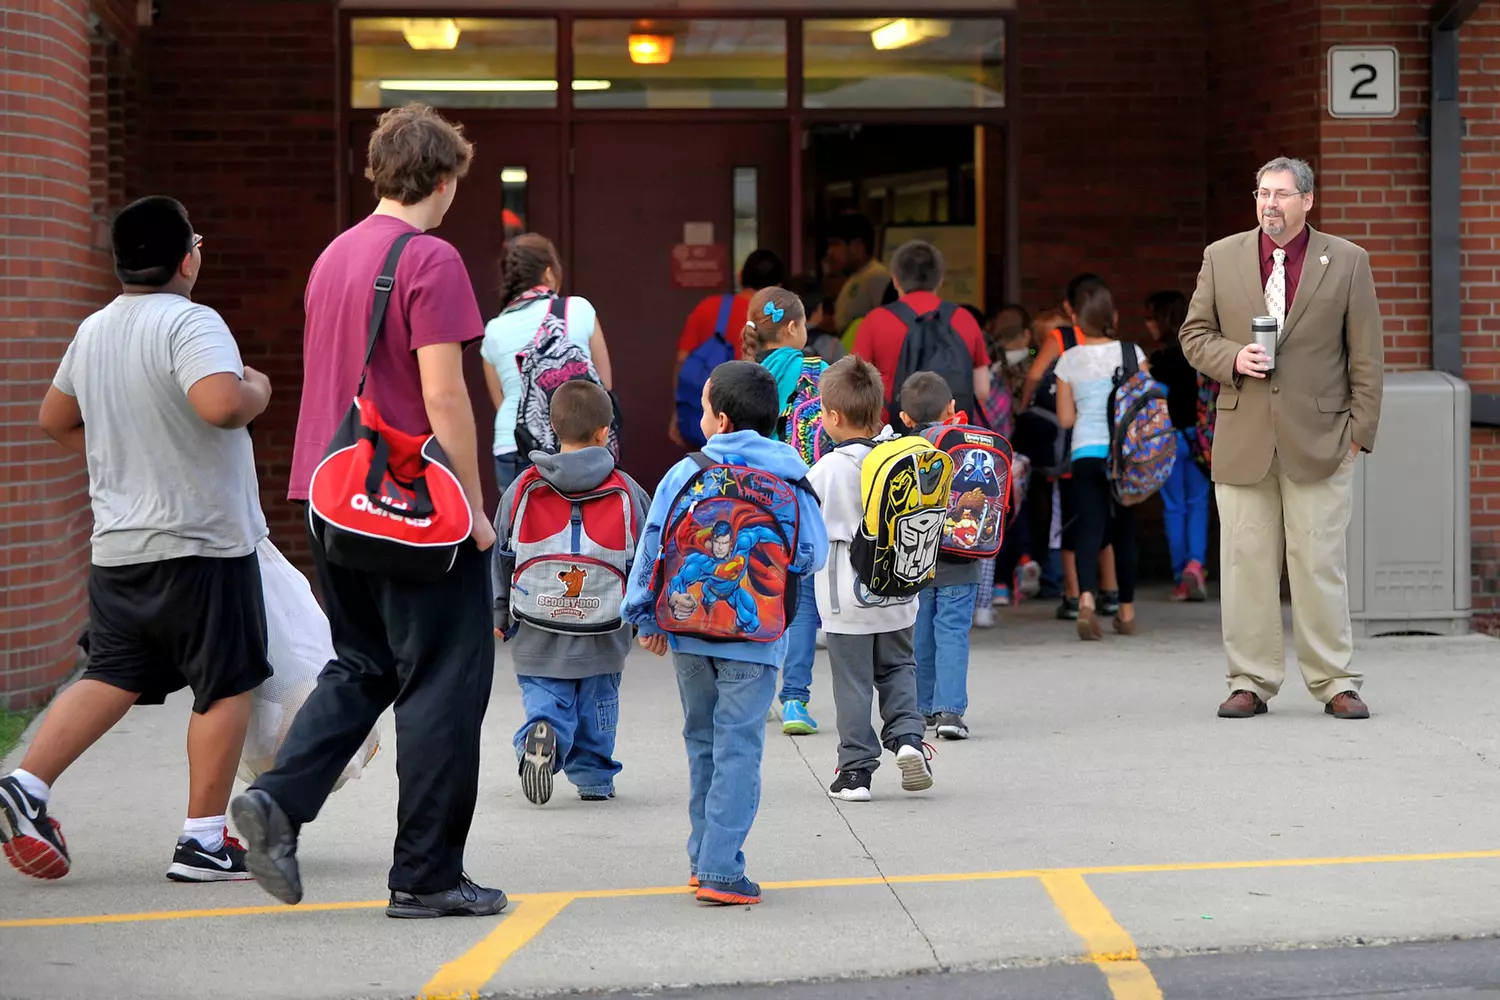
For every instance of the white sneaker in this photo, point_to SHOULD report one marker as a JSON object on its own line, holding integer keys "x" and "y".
{"x": 916, "y": 773}
{"x": 984, "y": 617}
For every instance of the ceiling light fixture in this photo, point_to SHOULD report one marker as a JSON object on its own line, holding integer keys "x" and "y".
{"x": 908, "y": 31}
{"x": 490, "y": 86}
{"x": 430, "y": 32}
{"x": 650, "y": 50}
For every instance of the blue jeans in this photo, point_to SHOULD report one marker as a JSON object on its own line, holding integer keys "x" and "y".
{"x": 1185, "y": 497}
{"x": 724, "y": 705}
{"x": 941, "y": 645}
{"x": 508, "y": 469}
{"x": 801, "y": 644}
{"x": 584, "y": 714}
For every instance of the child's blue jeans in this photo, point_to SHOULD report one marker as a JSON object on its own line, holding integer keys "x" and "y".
{"x": 941, "y": 646}
{"x": 584, "y": 715}
{"x": 1185, "y": 496}
{"x": 801, "y": 644}
{"x": 724, "y": 705}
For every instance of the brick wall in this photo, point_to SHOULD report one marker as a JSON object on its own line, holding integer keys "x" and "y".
{"x": 54, "y": 275}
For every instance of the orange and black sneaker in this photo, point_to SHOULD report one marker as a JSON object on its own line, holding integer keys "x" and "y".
{"x": 32, "y": 840}
{"x": 741, "y": 892}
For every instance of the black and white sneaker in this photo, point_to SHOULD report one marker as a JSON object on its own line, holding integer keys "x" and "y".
{"x": 31, "y": 840}
{"x": 912, "y": 757}
{"x": 195, "y": 863}
{"x": 538, "y": 751}
{"x": 951, "y": 727}
{"x": 852, "y": 785}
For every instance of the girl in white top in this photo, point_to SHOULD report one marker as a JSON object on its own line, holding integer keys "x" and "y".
{"x": 533, "y": 274}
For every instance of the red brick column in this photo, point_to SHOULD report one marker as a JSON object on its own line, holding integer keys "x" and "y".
{"x": 52, "y": 278}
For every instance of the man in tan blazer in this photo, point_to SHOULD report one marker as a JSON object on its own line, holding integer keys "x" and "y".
{"x": 1287, "y": 437}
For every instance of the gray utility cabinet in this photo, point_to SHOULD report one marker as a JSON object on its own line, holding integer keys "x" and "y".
{"x": 1409, "y": 562}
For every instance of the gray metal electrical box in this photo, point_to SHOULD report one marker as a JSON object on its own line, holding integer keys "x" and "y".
{"x": 1409, "y": 568}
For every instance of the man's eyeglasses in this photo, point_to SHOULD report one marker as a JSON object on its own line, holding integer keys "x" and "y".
{"x": 1277, "y": 196}
{"x": 197, "y": 242}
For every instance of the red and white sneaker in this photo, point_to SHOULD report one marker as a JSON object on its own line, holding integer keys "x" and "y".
{"x": 32, "y": 840}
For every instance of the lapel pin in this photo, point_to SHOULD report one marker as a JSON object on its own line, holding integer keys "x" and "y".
{"x": 1323, "y": 260}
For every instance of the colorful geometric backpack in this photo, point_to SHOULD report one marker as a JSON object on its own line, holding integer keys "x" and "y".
{"x": 731, "y": 532}
{"x": 802, "y": 417}
{"x": 1202, "y": 438}
{"x": 904, "y": 483}
{"x": 1142, "y": 441}
{"x": 979, "y": 500}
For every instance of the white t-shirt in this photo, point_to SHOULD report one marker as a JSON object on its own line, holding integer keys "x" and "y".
{"x": 164, "y": 484}
{"x": 507, "y": 334}
{"x": 1089, "y": 370}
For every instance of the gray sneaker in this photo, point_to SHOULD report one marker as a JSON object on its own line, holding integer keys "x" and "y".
{"x": 270, "y": 844}
{"x": 951, "y": 727}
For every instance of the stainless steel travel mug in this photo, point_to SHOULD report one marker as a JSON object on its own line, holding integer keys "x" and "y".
{"x": 1265, "y": 330}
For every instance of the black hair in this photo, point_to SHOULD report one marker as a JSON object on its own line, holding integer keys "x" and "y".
{"x": 1169, "y": 309}
{"x": 924, "y": 397}
{"x": 806, "y": 288}
{"x": 745, "y": 392}
{"x": 918, "y": 266}
{"x": 579, "y": 408}
{"x": 150, "y": 238}
{"x": 851, "y": 227}
{"x": 890, "y": 294}
{"x": 762, "y": 270}
{"x": 1095, "y": 307}
{"x": 1077, "y": 285}
{"x": 974, "y": 311}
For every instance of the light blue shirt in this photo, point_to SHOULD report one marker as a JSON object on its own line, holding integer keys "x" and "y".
{"x": 509, "y": 333}
{"x": 1089, "y": 370}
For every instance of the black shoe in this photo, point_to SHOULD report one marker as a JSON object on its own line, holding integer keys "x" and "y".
{"x": 1067, "y": 611}
{"x": 914, "y": 759}
{"x": 1109, "y": 602}
{"x": 463, "y": 900}
{"x": 596, "y": 797}
{"x": 270, "y": 844}
{"x": 194, "y": 863}
{"x": 32, "y": 840}
{"x": 952, "y": 727}
{"x": 852, "y": 785}
{"x": 538, "y": 751}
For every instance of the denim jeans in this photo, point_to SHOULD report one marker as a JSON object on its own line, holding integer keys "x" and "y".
{"x": 584, "y": 715}
{"x": 801, "y": 644}
{"x": 724, "y": 705}
{"x": 508, "y": 469}
{"x": 941, "y": 644}
{"x": 1185, "y": 496}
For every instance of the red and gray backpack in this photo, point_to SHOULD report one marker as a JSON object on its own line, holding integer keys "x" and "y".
{"x": 572, "y": 553}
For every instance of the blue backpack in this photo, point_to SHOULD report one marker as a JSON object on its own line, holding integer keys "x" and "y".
{"x": 1142, "y": 441}
{"x": 696, "y": 368}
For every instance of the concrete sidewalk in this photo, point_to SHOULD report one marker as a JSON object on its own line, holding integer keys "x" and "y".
{"x": 1101, "y": 757}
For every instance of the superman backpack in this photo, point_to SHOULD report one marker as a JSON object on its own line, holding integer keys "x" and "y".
{"x": 572, "y": 552}
{"x": 979, "y": 500}
{"x": 802, "y": 418}
{"x": 731, "y": 532}
{"x": 1142, "y": 441}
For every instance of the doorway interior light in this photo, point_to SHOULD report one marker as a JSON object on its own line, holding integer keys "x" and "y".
{"x": 513, "y": 175}
{"x": 908, "y": 31}
{"x": 490, "y": 86}
{"x": 650, "y": 49}
{"x": 430, "y": 32}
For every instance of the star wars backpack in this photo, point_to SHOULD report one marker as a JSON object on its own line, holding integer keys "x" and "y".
{"x": 979, "y": 501}
{"x": 572, "y": 553}
{"x": 904, "y": 485}
{"x": 731, "y": 534}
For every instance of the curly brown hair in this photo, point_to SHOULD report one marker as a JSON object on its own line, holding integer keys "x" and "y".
{"x": 414, "y": 149}
{"x": 524, "y": 265}
{"x": 762, "y": 330}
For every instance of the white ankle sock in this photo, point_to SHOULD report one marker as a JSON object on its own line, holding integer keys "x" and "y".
{"x": 207, "y": 831}
{"x": 35, "y": 787}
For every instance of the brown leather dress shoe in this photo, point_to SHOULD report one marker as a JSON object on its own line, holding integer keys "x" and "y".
{"x": 1346, "y": 705}
{"x": 1242, "y": 705}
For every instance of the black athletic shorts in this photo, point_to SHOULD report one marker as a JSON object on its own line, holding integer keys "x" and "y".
{"x": 196, "y": 622}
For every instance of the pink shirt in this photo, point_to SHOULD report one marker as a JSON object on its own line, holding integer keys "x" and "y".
{"x": 432, "y": 303}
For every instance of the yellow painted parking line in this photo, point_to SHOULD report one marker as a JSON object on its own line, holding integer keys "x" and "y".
{"x": 465, "y": 976}
{"x": 827, "y": 883}
{"x": 1110, "y": 946}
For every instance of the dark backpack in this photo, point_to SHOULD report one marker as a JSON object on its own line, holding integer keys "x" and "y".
{"x": 1038, "y": 435}
{"x": 932, "y": 345}
{"x": 695, "y": 370}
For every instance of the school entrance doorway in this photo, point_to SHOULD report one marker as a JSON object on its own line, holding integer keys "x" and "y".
{"x": 657, "y": 153}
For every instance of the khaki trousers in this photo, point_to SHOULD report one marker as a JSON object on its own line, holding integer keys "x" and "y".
{"x": 1310, "y": 522}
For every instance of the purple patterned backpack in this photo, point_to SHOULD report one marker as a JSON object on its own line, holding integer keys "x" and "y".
{"x": 1142, "y": 442}
{"x": 803, "y": 415}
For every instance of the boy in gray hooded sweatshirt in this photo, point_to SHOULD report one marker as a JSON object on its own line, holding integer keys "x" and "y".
{"x": 560, "y": 569}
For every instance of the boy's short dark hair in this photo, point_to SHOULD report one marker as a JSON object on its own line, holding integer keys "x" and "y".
{"x": 852, "y": 388}
{"x": 762, "y": 269}
{"x": 150, "y": 237}
{"x": 745, "y": 392}
{"x": 414, "y": 149}
{"x": 918, "y": 266}
{"x": 579, "y": 409}
{"x": 924, "y": 397}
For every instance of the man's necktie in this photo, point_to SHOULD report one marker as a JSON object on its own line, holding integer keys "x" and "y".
{"x": 1276, "y": 287}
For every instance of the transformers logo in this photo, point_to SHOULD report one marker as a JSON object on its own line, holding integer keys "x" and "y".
{"x": 916, "y": 539}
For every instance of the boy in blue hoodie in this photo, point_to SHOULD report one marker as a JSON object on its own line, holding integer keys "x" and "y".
{"x": 726, "y": 686}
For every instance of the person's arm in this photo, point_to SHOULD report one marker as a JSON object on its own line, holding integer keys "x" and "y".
{"x": 599, "y": 353}
{"x": 1049, "y": 352}
{"x": 1067, "y": 409}
{"x": 492, "y": 383}
{"x": 639, "y": 606}
{"x": 62, "y": 420}
{"x": 1366, "y": 346}
{"x": 981, "y": 385}
{"x": 223, "y": 390}
{"x": 503, "y": 563}
{"x": 452, "y": 418}
{"x": 227, "y": 401}
{"x": 812, "y": 536}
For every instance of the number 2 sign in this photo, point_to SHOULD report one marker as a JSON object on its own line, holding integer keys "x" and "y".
{"x": 1363, "y": 81}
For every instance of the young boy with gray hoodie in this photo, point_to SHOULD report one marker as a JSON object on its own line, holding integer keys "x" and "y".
{"x": 574, "y": 541}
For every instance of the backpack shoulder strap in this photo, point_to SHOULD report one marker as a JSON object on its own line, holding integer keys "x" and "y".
{"x": 703, "y": 460}
{"x": 905, "y": 313}
{"x": 1128, "y": 363}
{"x": 726, "y": 303}
{"x": 383, "y": 285}
{"x": 1069, "y": 337}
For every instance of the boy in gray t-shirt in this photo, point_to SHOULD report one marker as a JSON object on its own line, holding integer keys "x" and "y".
{"x": 152, "y": 392}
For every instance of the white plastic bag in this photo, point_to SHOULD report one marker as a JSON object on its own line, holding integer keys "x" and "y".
{"x": 298, "y": 645}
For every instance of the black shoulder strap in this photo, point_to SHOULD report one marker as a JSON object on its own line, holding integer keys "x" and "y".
{"x": 848, "y": 441}
{"x": 383, "y": 285}
{"x": 559, "y": 307}
{"x": 905, "y": 313}
{"x": 807, "y": 487}
{"x": 1128, "y": 363}
{"x": 946, "y": 312}
{"x": 1069, "y": 337}
{"x": 703, "y": 460}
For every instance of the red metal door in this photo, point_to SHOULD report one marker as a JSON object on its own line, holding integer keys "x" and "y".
{"x": 635, "y": 186}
